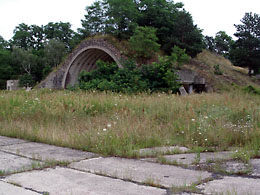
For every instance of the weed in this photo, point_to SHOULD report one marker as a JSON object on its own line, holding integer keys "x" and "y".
{"x": 184, "y": 189}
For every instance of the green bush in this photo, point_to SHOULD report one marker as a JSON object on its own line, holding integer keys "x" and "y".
{"x": 217, "y": 70}
{"x": 156, "y": 77}
{"x": 251, "y": 89}
{"x": 26, "y": 80}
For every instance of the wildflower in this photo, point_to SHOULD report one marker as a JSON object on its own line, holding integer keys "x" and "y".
{"x": 206, "y": 117}
{"x": 109, "y": 125}
{"x": 206, "y": 139}
{"x": 104, "y": 129}
{"x": 193, "y": 119}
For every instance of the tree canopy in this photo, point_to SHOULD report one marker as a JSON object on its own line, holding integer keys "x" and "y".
{"x": 173, "y": 24}
{"x": 246, "y": 50}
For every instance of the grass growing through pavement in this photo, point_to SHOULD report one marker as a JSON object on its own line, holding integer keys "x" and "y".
{"x": 117, "y": 124}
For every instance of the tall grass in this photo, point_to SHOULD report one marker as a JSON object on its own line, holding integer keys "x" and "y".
{"x": 117, "y": 124}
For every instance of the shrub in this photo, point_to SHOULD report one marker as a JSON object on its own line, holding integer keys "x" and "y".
{"x": 251, "y": 89}
{"x": 156, "y": 77}
{"x": 217, "y": 70}
{"x": 26, "y": 80}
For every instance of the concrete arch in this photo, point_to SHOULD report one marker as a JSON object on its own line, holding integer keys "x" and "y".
{"x": 84, "y": 57}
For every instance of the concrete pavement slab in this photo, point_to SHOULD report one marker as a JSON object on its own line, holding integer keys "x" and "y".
{"x": 4, "y": 141}
{"x": 47, "y": 152}
{"x": 189, "y": 159}
{"x": 255, "y": 163}
{"x": 161, "y": 150}
{"x": 9, "y": 189}
{"x": 10, "y": 163}
{"x": 232, "y": 185}
{"x": 63, "y": 181}
{"x": 141, "y": 171}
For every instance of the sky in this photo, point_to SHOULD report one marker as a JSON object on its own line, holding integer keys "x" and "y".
{"x": 211, "y": 16}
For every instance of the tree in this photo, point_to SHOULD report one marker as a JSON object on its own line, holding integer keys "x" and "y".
{"x": 3, "y": 43}
{"x": 223, "y": 43}
{"x": 6, "y": 71}
{"x": 246, "y": 50}
{"x": 22, "y": 36}
{"x": 25, "y": 58}
{"x": 178, "y": 57}
{"x": 95, "y": 19}
{"x": 54, "y": 51}
{"x": 143, "y": 42}
{"x": 60, "y": 31}
{"x": 123, "y": 16}
{"x": 210, "y": 43}
{"x": 174, "y": 26}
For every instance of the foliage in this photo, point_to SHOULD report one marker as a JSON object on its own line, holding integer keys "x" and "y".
{"x": 223, "y": 43}
{"x": 246, "y": 50}
{"x": 174, "y": 25}
{"x": 6, "y": 70}
{"x": 217, "y": 70}
{"x": 178, "y": 56}
{"x": 144, "y": 42}
{"x": 26, "y": 80}
{"x": 251, "y": 89}
{"x": 159, "y": 76}
{"x": 220, "y": 44}
{"x": 54, "y": 51}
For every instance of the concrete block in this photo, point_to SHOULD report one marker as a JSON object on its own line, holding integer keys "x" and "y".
{"x": 141, "y": 171}
{"x": 10, "y": 163}
{"x": 4, "y": 141}
{"x": 188, "y": 159}
{"x": 47, "y": 152}
{"x": 63, "y": 181}
{"x": 232, "y": 185}
{"x": 9, "y": 189}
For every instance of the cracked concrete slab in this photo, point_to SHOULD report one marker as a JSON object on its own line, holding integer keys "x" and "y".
{"x": 10, "y": 163}
{"x": 4, "y": 141}
{"x": 141, "y": 171}
{"x": 161, "y": 150}
{"x": 61, "y": 181}
{"x": 191, "y": 158}
{"x": 255, "y": 163}
{"x": 9, "y": 189}
{"x": 47, "y": 152}
{"x": 232, "y": 185}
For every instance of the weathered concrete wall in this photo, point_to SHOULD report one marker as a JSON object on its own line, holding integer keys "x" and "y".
{"x": 84, "y": 57}
{"x": 12, "y": 85}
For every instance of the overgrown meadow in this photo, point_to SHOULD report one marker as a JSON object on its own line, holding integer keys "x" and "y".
{"x": 118, "y": 124}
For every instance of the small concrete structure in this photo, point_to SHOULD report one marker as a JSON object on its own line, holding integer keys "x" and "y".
{"x": 191, "y": 82}
{"x": 12, "y": 85}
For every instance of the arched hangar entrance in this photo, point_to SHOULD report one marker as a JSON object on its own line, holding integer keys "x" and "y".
{"x": 84, "y": 57}
{"x": 86, "y": 60}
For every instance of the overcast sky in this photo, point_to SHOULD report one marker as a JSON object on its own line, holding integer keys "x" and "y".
{"x": 210, "y": 15}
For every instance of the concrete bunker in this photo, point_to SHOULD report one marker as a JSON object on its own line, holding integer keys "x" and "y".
{"x": 86, "y": 60}
{"x": 84, "y": 57}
